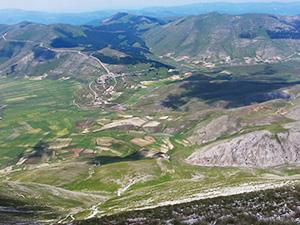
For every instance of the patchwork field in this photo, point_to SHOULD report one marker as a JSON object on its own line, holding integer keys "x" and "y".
{"x": 36, "y": 113}
{"x": 85, "y": 162}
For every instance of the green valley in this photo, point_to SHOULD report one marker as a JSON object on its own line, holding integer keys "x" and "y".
{"x": 193, "y": 117}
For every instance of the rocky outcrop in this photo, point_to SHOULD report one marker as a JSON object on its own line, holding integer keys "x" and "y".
{"x": 213, "y": 130}
{"x": 259, "y": 149}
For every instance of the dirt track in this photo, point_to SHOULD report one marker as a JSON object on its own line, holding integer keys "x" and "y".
{"x": 109, "y": 75}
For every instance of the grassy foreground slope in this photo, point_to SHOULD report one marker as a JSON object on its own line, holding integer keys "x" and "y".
{"x": 280, "y": 204}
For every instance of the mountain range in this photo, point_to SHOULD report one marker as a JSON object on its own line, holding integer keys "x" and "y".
{"x": 220, "y": 37}
{"x": 13, "y": 16}
{"x": 124, "y": 38}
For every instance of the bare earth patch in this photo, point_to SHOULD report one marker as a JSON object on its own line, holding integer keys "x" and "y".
{"x": 131, "y": 122}
{"x": 60, "y": 143}
{"x": 143, "y": 142}
{"x": 106, "y": 141}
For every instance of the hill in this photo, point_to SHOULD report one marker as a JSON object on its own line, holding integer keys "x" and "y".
{"x": 126, "y": 39}
{"x": 123, "y": 20}
{"x": 37, "y": 49}
{"x": 224, "y": 38}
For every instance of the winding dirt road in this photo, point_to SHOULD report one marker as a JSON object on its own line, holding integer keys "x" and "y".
{"x": 103, "y": 78}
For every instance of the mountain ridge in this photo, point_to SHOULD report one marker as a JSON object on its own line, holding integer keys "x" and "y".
{"x": 13, "y": 16}
{"x": 205, "y": 40}
{"x": 221, "y": 37}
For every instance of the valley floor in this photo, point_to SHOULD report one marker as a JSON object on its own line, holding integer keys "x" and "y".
{"x": 64, "y": 163}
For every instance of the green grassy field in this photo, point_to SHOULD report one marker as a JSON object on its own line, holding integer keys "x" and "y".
{"x": 40, "y": 121}
{"x": 37, "y": 111}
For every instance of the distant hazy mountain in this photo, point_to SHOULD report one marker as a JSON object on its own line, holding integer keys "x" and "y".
{"x": 277, "y": 8}
{"x": 16, "y": 16}
{"x": 125, "y": 20}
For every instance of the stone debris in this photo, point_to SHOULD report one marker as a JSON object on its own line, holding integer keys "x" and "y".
{"x": 259, "y": 149}
{"x": 213, "y": 130}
